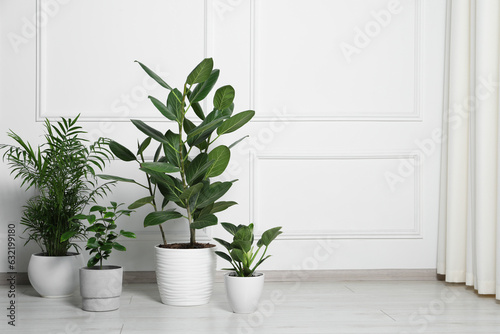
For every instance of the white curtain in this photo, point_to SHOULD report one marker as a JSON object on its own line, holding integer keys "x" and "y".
{"x": 469, "y": 221}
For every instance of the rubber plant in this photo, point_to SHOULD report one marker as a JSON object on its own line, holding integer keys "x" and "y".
{"x": 185, "y": 160}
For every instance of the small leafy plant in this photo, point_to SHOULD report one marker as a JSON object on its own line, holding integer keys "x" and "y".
{"x": 241, "y": 251}
{"x": 104, "y": 240}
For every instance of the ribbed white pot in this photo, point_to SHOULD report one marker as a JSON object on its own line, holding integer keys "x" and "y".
{"x": 101, "y": 288}
{"x": 243, "y": 293}
{"x": 185, "y": 277}
{"x": 54, "y": 276}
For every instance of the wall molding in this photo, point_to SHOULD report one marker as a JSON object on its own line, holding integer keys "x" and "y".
{"x": 415, "y": 116}
{"x": 41, "y": 74}
{"x": 416, "y": 232}
{"x": 134, "y": 277}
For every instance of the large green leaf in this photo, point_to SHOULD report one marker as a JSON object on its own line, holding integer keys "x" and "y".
{"x": 235, "y": 122}
{"x": 198, "y": 110}
{"x": 238, "y": 255}
{"x": 201, "y": 72}
{"x": 193, "y": 190}
{"x": 149, "y": 131}
{"x": 160, "y": 167}
{"x": 174, "y": 104}
{"x": 167, "y": 112}
{"x": 171, "y": 149}
{"x": 205, "y": 221}
{"x": 115, "y": 178}
{"x": 203, "y": 89}
{"x": 154, "y": 76}
{"x": 141, "y": 202}
{"x": 220, "y": 155}
{"x": 231, "y": 228}
{"x": 268, "y": 236}
{"x": 223, "y": 255}
{"x": 144, "y": 145}
{"x": 224, "y": 97}
{"x": 203, "y": 131}
{"x": 196, "y": 170}
{"x": 210, "y": 194}
{"x": 221, "y": 206}
{"x": 159, "y": 217}
{"x": 119, "y": 247}
{"x": 121, "y": 152}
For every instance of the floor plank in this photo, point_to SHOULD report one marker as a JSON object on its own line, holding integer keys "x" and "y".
{"x": 286, "y": 307}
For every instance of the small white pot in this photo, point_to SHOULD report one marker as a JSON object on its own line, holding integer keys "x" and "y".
{"x": 185, "y": 277}
{"x": 243, "y": 293}
{"x": 54, "y": 276}
{"x": 101, "y": 288}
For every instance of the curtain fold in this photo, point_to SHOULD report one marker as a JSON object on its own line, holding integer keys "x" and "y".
{"x": 469, "y": 218}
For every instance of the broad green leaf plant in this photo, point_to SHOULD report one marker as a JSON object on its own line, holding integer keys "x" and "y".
{"x": 62, "y": 171}
{"x": 243, "y": 256}
{"x": 185, "y": 162}
{"x": 103, "y": 226}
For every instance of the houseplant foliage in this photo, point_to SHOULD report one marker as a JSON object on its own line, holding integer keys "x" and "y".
{"x": 62, "y": 171}
{"x": 103, "y": 227}
{"x": 101, "y": 286}
{"x": 244, "y": 285}
{"x": 185, "y": 160}
{"x": 243, "y": 256}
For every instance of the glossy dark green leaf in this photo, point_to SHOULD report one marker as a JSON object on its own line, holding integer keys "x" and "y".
{"x": 212, "y": 193}
{"x": 149, "y": 131}
{"x": 188, "y": 126}
{"x": 197, "y": 169}
{"x": 231, "y": 228}
{"x": 165, "y": 111}
{"x": 154, "y": 76}
{"x": 220, "y": 156}
{"x": 121, "y": 152}
{"x": 203, "y": 89}
{"x": 235, "y": 122}
{"x": 237, "y": 255}
{"x": 205, "y": 221}
{"x": 160, "y": 167}
{"x": 223, "y": 255}
{"x": 144, "y": 145}
{"x": 237, "y": 142}
{"x": 201, "y": 72}
{"x": 141, "y": 202}
{"x": 119, "y": 247}
{"x": 174, "y": 105}
{"x": 193, "y": 190}
{"x": 198, "y": 110}
{"x": 224, "y": 97}
{"x": 127, "y": 234}
{"x": 268, "y": 236}
{"x": 221, "y": 206}
{"x": 115, "y": 178}
{"x": 159, "y": 217}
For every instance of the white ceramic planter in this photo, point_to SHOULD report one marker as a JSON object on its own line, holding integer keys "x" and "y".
{"x": 185, "y": 277}
{"x": 54, "y": 276}
{"x": 101, "y": 288}
{"x": 243, "y": 293}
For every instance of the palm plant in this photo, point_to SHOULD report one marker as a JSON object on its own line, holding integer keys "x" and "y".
{"x": 62, "y": 171}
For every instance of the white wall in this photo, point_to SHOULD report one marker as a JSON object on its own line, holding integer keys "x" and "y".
{"x": 342, "y": 152}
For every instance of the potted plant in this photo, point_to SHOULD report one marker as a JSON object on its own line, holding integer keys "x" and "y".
{"x": 181, "y": 172}
{"x": 101, "y": 286}
{"x": 243, "y": 284}
{"x": 61, "y": 171}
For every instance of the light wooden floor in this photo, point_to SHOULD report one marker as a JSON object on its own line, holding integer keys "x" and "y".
{"x": 286, "y": 307}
